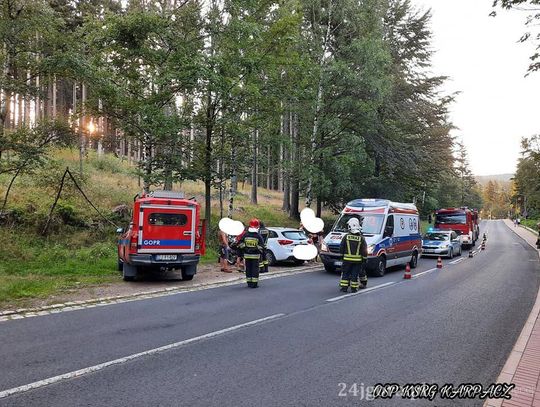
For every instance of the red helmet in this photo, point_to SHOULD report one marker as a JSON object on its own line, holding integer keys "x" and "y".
{"x": 254, "y": 223}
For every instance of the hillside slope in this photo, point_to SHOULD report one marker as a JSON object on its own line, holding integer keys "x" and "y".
{"x": 80, "y": 249}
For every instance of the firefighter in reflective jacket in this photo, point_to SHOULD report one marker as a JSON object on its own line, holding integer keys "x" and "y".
{"x": 251, "y": 245}
{"x": 354, "y": 250}
{"x": 264, "y": 232}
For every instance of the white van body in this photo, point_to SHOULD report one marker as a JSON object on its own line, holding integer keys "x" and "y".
{"x": 391, "y": 230}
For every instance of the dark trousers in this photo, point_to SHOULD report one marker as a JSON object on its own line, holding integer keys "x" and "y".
{"x": 351, "y": 272}
{"x": 252, "y": 272}
{"x": 263, "y": 265}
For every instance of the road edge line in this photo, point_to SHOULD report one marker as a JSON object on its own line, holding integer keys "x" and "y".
{"x": 91, "y": 369}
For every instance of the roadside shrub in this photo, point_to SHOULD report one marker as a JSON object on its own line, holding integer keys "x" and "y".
{"x": 68, "y": 214}
{"x": 107, "y": 164}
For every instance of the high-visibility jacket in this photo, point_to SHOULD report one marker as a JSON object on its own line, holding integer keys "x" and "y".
{"x": 251, "y": 244}
{"x": 264, "y": 233}
{"x": 353, "y": 247}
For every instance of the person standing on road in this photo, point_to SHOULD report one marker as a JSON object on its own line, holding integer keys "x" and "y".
{"x": 251, "y": 245}
{"x": 264, "y": 232}
{"x": 224, "y": 250}
{"x": 354, "y": 250}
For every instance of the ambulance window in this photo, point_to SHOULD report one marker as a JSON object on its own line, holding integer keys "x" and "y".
{"x": 167, "y": 219}
{"x": 389, "y": 228}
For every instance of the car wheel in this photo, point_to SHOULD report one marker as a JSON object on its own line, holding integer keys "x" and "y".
{"x": 451, "y": 254}
{"x": 414, "y": 260}
{"x": 460, "y": 251}
{"x": 271, "y": 258}
{"x": 381, "y": 267}
{"x": 120, "y": 265}
{"x": 329, "y": 268}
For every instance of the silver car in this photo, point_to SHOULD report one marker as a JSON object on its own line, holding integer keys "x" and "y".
{"x": 441, "y": 243}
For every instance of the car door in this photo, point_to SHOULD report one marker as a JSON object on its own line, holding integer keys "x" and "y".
{"x": 455, "y": 242}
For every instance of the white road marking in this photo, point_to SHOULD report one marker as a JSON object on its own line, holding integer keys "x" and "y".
{"x": 457, "y": 261}
{"x": 101, "y": 366}
{"x": 424, "y": 272}
{"x": 361, "y": 291}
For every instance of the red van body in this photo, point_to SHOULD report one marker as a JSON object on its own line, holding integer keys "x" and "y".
{"x": 463, "y": 221}
{"x": 165, "y": 233}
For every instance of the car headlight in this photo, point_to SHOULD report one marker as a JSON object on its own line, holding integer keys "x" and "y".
{"x": 324, "y": 246}
{"x": 370, "y": 248}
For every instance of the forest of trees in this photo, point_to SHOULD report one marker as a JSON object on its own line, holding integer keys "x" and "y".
{"x": 525, "y": 197}
{"x": 324, "y": 100}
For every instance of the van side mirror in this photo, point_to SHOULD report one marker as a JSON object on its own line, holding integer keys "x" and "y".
{"x": 120, "y": 230}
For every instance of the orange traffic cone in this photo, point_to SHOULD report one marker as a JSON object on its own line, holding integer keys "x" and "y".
{"x": 439, "y": 263}
{"x": 407, "y": 275}
{"x": 483, "y": 245}
{"x": 471, "y": 254}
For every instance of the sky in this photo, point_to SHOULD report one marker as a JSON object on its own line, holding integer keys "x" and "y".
{"x": 497, "y": 105}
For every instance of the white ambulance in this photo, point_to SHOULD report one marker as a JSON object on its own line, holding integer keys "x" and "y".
{"x": 391, "y": 229}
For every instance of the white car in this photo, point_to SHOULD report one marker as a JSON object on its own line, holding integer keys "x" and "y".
{"x": 281, "y": 242}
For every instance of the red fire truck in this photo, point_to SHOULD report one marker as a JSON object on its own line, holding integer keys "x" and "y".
{"x": 165, "y": 233}
{"x": 463, "y": 221}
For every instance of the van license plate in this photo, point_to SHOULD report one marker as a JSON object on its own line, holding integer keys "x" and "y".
{"x": 166, "y": 257}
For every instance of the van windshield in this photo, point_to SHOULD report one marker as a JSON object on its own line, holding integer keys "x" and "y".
{"x": 371, "y": 225}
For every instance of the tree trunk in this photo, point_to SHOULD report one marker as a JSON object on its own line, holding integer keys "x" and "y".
{"x": 268, "y": 169}
{"x": 254, "y": 178}
{"x": 319, "y": 207}
{"x": 208, "y": 160}
{"x": 234, "y": 183}
{"x": 318, "y": 104}
{"x": 285, "y": 176}
{"x": 147, "y": 164}
{"x": 295, "y": 181}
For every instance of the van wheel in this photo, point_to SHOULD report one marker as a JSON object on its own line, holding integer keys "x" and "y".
{"x": 120, "y": 265}
{"x": 129, "y": 272}
{"x": 414, "y": 260}
{"x": 127, "y": 278}
{"x": 188, "y": 276}
{"x": 381, "y": 267}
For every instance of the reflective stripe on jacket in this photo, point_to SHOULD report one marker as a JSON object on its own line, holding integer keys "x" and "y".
{"x": 353, "y": 247}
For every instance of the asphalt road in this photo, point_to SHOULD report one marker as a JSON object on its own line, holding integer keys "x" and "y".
{"x": 454, "y": 325}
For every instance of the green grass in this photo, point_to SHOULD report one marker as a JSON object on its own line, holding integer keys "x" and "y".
{"x": 531, "y": 223}
{"x": 37, "y": 268}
